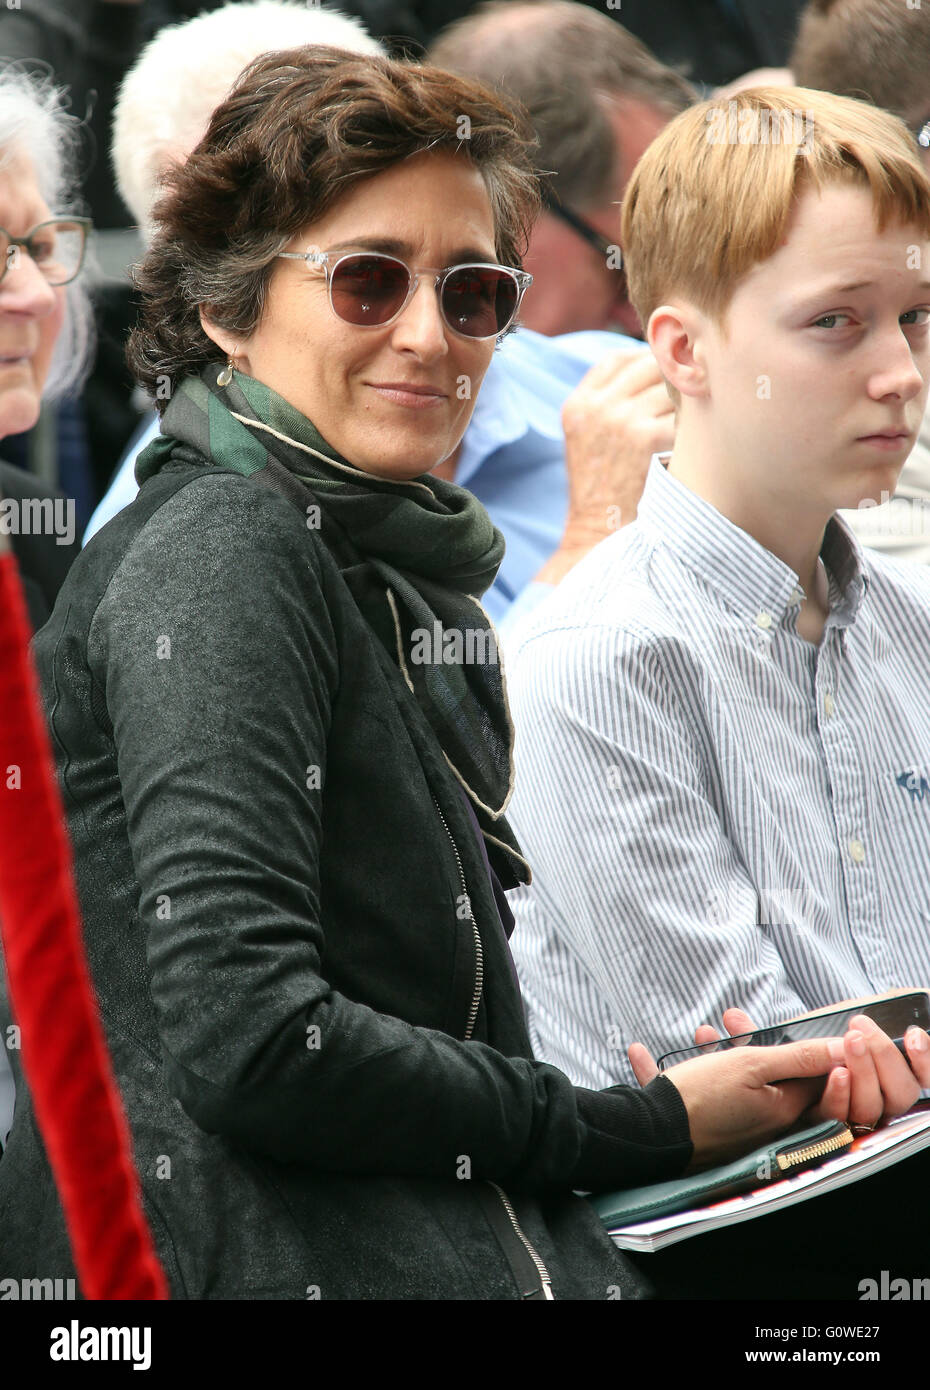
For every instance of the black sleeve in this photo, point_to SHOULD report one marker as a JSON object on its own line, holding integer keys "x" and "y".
{"x": 643, "y": 1134}
{"x": 216, "y": 641}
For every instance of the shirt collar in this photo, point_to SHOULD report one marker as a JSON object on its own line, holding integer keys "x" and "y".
{"x": 740, "y": 571}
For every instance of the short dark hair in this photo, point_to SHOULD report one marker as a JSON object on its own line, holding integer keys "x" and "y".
{"x": 866, "y": 49}
{"x": 563, "y": 61}
{"x": 299, "y": 129}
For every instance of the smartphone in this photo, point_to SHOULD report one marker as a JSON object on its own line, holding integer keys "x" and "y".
{"x": 894, "y": 1017}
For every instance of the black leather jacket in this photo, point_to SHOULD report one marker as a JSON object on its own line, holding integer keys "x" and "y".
{"x": 323, "y": 1058}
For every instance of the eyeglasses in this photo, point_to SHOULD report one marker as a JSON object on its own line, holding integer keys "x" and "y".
{"x": 591, "y": 235}
{"x": 922, "y": 135}
{"x": 56, "y": 246}
{"x": 369, "y": 290}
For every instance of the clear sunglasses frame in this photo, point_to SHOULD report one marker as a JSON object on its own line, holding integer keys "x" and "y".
{"x": 330, "y": 261}
{"x": 9, "y": 258}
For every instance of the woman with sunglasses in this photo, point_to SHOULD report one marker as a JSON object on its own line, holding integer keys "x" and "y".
{"x": 285, "y": 747}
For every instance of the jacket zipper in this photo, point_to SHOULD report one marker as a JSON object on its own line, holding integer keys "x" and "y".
{"x": 545, "y": 1278}
{"x": 479, "y": 949}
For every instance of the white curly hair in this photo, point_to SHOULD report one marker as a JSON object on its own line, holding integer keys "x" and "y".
{"x": 168, "y": 96}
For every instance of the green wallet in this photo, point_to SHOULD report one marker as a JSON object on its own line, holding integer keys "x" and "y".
{"x": 775, "y": 1161}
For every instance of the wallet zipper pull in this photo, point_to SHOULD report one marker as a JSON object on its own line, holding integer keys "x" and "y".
{"x": 809, "y": 1152}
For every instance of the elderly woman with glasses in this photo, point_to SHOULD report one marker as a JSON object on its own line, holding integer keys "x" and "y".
{"x": 285, "y": 749}
{"x": 44, "y": 322}
{"x": 44, "y": 344}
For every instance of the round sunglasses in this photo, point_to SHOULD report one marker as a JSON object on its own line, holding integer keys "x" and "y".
{"x": 370, "y": 289}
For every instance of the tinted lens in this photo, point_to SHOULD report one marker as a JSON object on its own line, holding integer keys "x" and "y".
{"x": 369, "y": 289}
{"x": 479, "y": 301}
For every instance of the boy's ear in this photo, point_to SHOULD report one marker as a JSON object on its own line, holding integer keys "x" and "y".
{"x": 675, "y": 332}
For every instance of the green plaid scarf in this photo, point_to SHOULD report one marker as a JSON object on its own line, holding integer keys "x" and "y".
{"x": 417, "y": 556}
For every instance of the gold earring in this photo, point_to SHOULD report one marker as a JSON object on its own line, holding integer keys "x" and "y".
{"x": 225, "y": 376}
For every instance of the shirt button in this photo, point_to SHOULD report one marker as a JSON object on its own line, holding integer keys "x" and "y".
{"x": 797, "y": 594}
{"x": 764, "y": 620}
{"x": 829, "y": 704}
{"x": 857, "y": 851}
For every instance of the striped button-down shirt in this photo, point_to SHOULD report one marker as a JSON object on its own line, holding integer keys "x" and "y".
{"x": 716, "y": 811}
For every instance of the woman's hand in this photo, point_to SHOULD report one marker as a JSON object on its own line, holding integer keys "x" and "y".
{"x": 741, "y": 1098}
{"x": 874, "y": 1084}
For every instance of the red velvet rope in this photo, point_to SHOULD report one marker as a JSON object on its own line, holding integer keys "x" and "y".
{"x": 64, "y": 1054}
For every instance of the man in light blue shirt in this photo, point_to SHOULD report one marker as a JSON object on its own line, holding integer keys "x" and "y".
{"x": 723, "y": 731}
